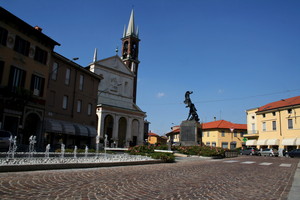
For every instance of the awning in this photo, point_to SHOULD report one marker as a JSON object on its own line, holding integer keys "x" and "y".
{"x": 53, "y": 126}
{"x": 251, "y": 142}
{"x": 272, "y": 142}
{"x": 289, "y": 142}
{"x": 68, "y": 128}
{"x": 81, "y": 130}
{"x": 92, "y": 131}
{"x": 261, "y": 142}
{"x": 298, "y": 141}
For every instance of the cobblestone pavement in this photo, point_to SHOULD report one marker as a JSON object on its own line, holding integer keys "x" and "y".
{"x": 245, "y": 177}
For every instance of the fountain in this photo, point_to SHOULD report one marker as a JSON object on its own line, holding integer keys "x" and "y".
{"x": 12, "y": 147}
{"x": 17, "y": 159}
{"x": 75, "y": 151}
{"x": 86, "y": 151}
{"x": 97, "y": 146}
{"x": 47, "y": 151}
{"x": 105, "y": 144}
{"x": 32, "y": 141}
{"x": 62, "y": 151}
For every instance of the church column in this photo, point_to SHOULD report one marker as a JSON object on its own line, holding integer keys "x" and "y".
{"x": 115, "y": 129}
{"x": 141, "y": 132}
{"x": 100, "y": 127}
{"x": 129, "y": 131}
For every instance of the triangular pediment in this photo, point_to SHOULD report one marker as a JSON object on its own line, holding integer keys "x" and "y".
{"x": 114, "y": 63}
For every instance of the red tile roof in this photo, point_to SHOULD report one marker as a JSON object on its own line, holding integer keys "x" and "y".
{"x": 217, "y": 124}
{"x": 223, "y": 124}
{"x": 282, "y": 103}
{"x": 153, "y": 134}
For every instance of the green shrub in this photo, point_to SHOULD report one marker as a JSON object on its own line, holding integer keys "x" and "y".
{"x": 166, "y": 157}
{"x": 161, "y": 147}
{"x": 141, "y": 149}
{"x": 201, "y": 150}
{"x": 148, "y": 150}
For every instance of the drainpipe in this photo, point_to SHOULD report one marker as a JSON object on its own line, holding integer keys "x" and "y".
{"x": 74, "y": 92}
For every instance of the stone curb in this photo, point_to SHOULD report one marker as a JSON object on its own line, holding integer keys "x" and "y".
{"x": 295, "y": 189}
{"x": 19, "y": 168}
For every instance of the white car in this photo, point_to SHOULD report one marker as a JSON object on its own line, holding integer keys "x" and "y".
{"x": 268, "y": 152}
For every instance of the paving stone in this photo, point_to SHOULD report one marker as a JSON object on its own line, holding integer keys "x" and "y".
{"x": 194, "y": 179}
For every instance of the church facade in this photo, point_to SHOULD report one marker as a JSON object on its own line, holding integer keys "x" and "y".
{"x": 118, "y": 115}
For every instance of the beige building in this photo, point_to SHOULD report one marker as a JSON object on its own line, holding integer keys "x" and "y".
{"x": 223, "y": 134}
{"x": 25, "y": 55}
{"x": 275, "y": 125}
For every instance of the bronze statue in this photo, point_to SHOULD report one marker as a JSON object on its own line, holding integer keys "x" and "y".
{"x": 192, "y": 114}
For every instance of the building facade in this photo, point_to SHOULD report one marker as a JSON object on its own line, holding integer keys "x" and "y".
{"x": 70, "y": 116}
{"x": 25, "y": 55}
{"x": 155, "y": 139}
{"x": 118, "y": 115}
{"x": 277, "y": 125}
{"x": 223, "y": 134}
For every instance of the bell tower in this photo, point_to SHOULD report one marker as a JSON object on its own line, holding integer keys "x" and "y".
{"x": 130, "y": 50}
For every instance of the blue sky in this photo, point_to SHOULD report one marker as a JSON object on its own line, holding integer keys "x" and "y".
{"x": 234, "y": 54}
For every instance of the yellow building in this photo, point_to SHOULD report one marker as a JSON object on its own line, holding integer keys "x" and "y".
{"x": 217, "y": 133}
{"x": 223, "y": 134}
{"x": 174, "y": 134}
{"x": 275, "y": 125}
{"x": 153, "y": 138}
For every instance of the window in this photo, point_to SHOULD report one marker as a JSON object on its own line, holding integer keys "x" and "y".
{"x": 242, "y": 134}
{"x": 207, "y": 143}
{"x": 208, "y": 134}
{"x": 274, "y": 125}
{"x": 65, "y": 102}
{"x": 253, "y": 117}
{"x": 290, "y": 124}
{"x": 264, "y": 126}
{"x": 1, "y": 70}
{"x": 223, "y": 133}
{"x": 81, "y": 79}
{"x": 253, "y": 127}
{"x": 3, "y": 36}
{"x": 289, "y": 111}
{"x": 16, "y": 78}
{"x": 213, "y": 144}
{"x": 274, "y": 113}
{"x": 37, "y": 85}
{"x": 235, "y": 134}
{"x": 79, "y": 102}
{"x": 89, "y": 109}
{"x": 40, "y": 55}
{"x": 68, "y": 75}
{"x": 232, "y": 145}
{"x": 264, "y": 115}
{"x": 224, "y": 145}
{"x": 22, "y": 46}
{"x": 54, "y": 71}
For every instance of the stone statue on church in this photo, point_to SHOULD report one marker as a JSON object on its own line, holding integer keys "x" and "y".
{"x": 193, "y": 111}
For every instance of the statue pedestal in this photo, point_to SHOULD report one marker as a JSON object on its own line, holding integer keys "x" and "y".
{"x": 190, "y": 133}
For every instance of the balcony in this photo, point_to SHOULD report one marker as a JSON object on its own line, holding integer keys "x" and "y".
{"x": 252, "y": 134}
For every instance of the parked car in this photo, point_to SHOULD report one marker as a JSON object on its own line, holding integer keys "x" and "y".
{"x": 4, "y": 140}
{"x": 268, "y": 152}
{"x": 249, "y": 151}
{"x": 294, "y": 153}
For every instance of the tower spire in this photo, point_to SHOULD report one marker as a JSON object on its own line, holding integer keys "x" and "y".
{"x": 131, "y": 30}
{"x": 95, "y": 55}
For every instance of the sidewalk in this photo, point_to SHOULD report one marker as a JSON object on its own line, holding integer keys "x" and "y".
{"x": 294, "y": 193}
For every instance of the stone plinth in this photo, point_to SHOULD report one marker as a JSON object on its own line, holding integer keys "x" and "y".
{"x": 190, "y": 133}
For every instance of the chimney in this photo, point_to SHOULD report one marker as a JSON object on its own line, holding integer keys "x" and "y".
{"x": 38, "y": 28}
